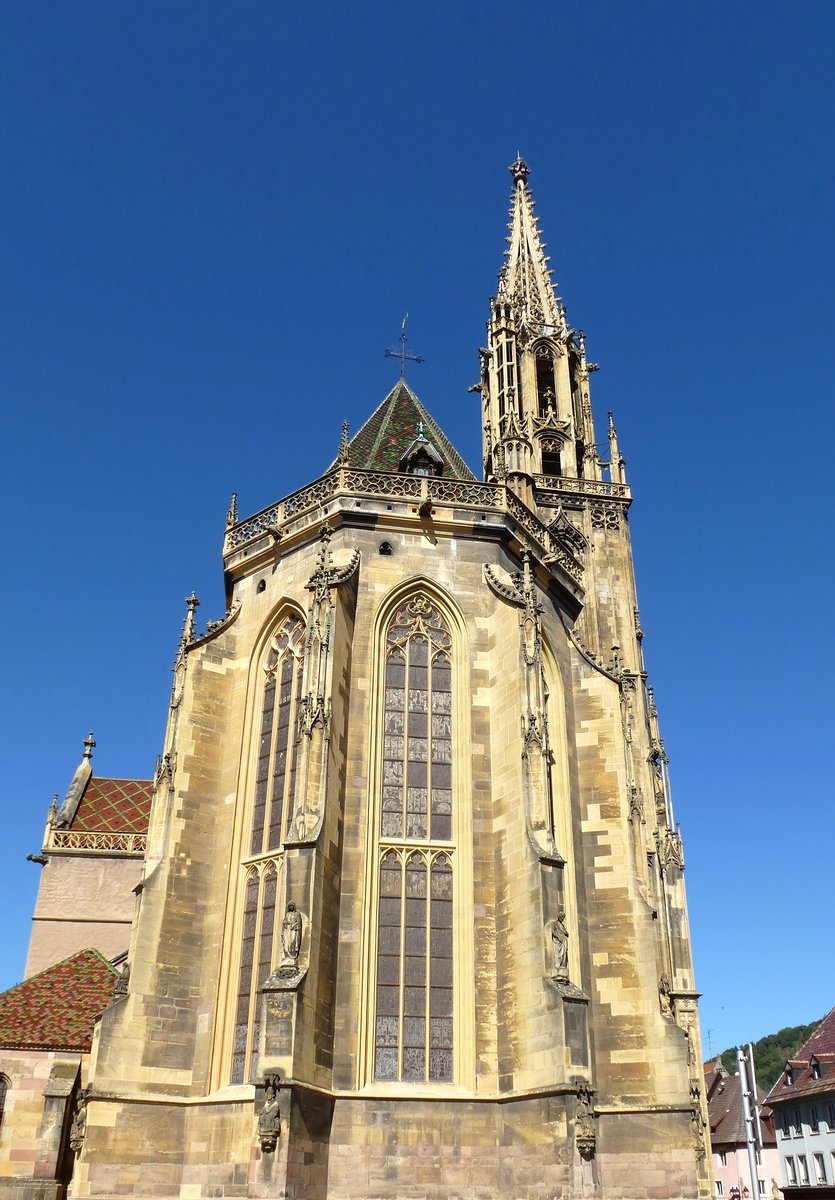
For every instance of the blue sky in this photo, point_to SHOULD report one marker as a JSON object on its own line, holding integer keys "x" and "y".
{"x": 214, "y": 217}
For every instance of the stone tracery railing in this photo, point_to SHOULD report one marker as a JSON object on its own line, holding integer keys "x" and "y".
{"x": 81, "y": 839}
{"x": 583, "y": 487}
{"x": 461, "y": 493}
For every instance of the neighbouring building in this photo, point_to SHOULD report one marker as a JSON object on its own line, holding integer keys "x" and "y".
{"x": 803, "y": 1103}
{"x": 407, "y": 916}
{"x": 728, "y": 1138}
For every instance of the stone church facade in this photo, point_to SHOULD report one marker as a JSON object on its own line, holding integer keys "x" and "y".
{"x": 411, "y": 920}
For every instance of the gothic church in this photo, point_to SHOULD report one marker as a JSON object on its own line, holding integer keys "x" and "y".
{"x": 402, "y": 913}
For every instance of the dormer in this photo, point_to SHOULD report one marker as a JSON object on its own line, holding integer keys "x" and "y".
{"x": 421, "y": 457}
{"x": 815, "y": 1067}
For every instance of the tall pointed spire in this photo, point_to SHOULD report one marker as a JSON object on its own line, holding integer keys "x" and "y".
{"x": 525, "y": 279}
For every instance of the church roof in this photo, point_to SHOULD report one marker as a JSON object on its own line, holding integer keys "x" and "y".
{"x": 57, "y": 1009}
{"x": 392, "y": 428}
{"x": 114, "y": 806}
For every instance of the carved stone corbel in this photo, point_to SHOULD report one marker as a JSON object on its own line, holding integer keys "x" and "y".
{"x": 269, "y": 1118}
{"x": 585, "y": 1137}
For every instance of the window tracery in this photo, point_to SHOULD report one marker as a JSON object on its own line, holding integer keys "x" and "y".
{"x": 272, "y": 814}
{"x": 413, "y": 1023}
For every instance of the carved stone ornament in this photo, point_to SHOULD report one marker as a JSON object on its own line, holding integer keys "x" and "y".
{"x": 697, "y": 1121}
{"x": 559, "y": 945}
{"x": 269, "y": 1118}
{"x": 664, "y": 996}
{"x": 78, "y": 1127}
{"x": 291, "y": 939}
{"x": 605, "y": 516}
{"x": 120, "y": 988}
{"x": 584, "y": 1131}
{"x": 670, "y": 853}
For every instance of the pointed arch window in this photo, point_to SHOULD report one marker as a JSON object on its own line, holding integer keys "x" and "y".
{"x": 4, "y": 1087}
{"x": 272, "y": 812}
{"x": 413, "y": 1020}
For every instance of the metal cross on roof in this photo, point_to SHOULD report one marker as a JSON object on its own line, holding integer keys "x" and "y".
{"x": 403, "y": 354}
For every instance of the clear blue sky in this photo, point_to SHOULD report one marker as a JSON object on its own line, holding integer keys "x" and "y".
{"x": 213, "y": 219}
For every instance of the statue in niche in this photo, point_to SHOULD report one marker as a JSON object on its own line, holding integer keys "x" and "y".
{"x": 559, "y": 942}
{"x": 78, "y": 1128}
{"x": 664, "y": 996}
{"x": 269, "y": 1119}
{"x": 291, "y": 936}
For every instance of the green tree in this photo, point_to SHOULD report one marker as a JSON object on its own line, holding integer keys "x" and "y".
{"x": 771, "y": 1052}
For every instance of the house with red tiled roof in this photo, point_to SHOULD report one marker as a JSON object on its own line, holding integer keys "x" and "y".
{"x": 728, "y": 1138}
{"x": 91, "y": 862}
{"x": 803, "y": 1103}
{"x": 47, "y": 1025}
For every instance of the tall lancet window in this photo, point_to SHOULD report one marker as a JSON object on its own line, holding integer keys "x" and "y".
{"x": 413, "y": 1023}
{"x": 272, "y": 811}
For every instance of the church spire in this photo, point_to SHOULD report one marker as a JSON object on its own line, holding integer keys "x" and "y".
{"x": 536, "y": 416}
{"x": 525, "y": 278}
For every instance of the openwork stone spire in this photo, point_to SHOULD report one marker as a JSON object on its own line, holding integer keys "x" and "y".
{"x": 525, "y": 279}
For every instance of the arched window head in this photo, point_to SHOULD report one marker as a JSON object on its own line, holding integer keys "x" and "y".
{"x": 413, "y": 1031}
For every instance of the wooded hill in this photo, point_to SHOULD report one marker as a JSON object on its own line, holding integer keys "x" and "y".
{"x": 771, "y": 1052}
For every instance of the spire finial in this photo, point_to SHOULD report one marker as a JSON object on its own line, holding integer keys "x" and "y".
{"x": 403, "y": 354}
{"x": 89, "y": 745}
{"x": 342, "y": 456}
{"x": 232, "y": 514}
{"x": 192, "y": 603}
{"x": 519, "y": 169}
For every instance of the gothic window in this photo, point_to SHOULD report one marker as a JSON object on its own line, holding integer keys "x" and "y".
{"x": 506, "y": 369}
{"x": 272, "y": 812}
{"x": 413, "y": 1022}
{"x": 546, "y": 383}
{"x": 4, "y": 1087}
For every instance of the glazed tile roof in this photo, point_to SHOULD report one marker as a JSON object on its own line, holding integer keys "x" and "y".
{"x": 821, "y": 1045}
{"x": 114, "y": 806}
{"x": 56, "y": 1009}
{"x": 392, "y": 428}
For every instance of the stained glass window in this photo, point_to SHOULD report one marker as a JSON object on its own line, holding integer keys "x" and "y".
{"x": 414, "y": 1008}
{"x": 275, "y": 777}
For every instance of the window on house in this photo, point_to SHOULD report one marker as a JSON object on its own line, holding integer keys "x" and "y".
{"x": 272, "y": 813}
{"x": 802, "y": 1169}
{"x": 814, "y": 1119}
{"x": 816, "y": 1068}
{"x": 759, "y": 1158}
{"x": 720, "y": 1191}
{"x": 830, "y": 1116}
{"x": 761, "y": 1183}
{"x": 788, "y": 1077}
{"x": 791, "y": 1172}
{"x": 797, "y": 1126}
{"x": 820, "y": 1169}
{"x": 723, "y": 1158}
{"x": 413, "y": 1023}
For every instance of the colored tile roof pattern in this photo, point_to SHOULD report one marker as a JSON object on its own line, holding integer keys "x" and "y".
{"x": 392, "y": 428}
{"x": 114, "y": 806}
{"x": 57, "y": 1009}
{"x": 725, "y": 1112}
{"x": 820, "y": 1046}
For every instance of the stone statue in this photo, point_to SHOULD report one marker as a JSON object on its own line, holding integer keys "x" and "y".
{"x": 78, "y": 1128}
{"x": 120, "y": 987}
{"x": 584, "y": 1133}
{"x": 664, "y": 996}
{"x": 269, "y": 1119}
{"x": 291, "y": 935}
{"x": 559, "y": 939}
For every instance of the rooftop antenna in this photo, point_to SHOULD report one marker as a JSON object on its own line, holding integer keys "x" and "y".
{"x": 403, "y": 354}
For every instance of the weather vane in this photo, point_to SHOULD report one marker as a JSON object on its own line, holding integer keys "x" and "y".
{"x": 403, "y": 354}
